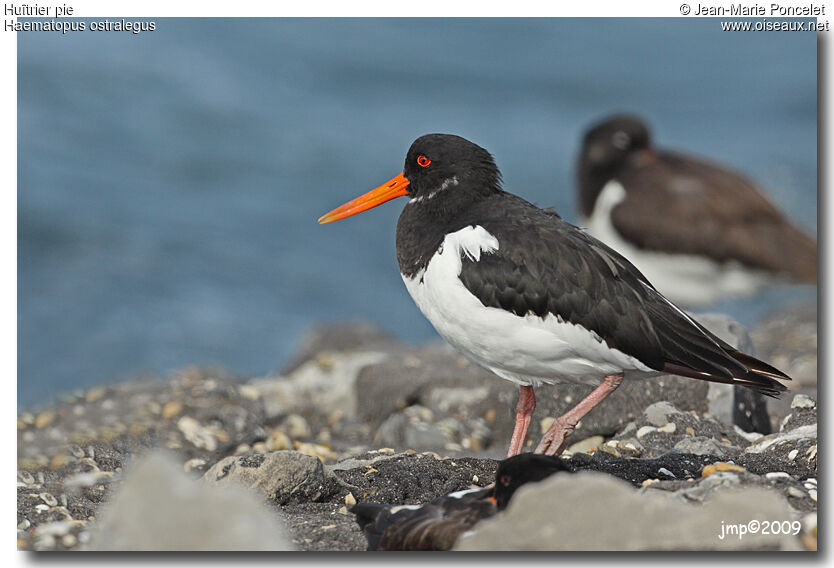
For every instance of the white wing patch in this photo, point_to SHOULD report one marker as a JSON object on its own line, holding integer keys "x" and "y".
{"x": 471, "y": 241}
{"x": 525, "y": 349}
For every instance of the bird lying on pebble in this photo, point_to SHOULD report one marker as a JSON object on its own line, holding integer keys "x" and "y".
{"x": 438, "y": 524}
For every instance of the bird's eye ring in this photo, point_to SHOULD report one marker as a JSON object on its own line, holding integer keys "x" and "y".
{"x": 422, "y": 161}
{"x": 504, "y": 480}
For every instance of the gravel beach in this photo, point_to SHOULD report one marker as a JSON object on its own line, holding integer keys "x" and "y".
{"x": 205, "y": 460}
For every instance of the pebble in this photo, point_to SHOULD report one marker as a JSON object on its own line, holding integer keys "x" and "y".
{"x": 172, "y": 408}
{"x": 666, "y": 472}
{"x": 49, "y": 499}
{"x": 69, "y": 540}
{"x": 669, "y": 428}
{"x": 778, "y": 475}
{"x": 810, "y": 483}
{"x": 792, "y": 454}
{"x": 586, "y": 444}
{"x": 95, "y": 394}
{"x": 350, "y": 499}
{"x": 648, "y": 482}
{"x": 812, "y": 493}
{"x": 24, "y": 524}
{"x": 645, "y": 430}
{"x": 25, "y": 477}
{"x": 796, "y": 492}
{"x": 802, "y": 401}
{"x": 44, "y": 419}
{"x": 193, "y": 463}
{"x": 297, "y": 427}
{"x": 720, "y": 466}
{"x": 277, "y": 441}
{"x": 194, "y": 432}
{"x": 656, "y": 413}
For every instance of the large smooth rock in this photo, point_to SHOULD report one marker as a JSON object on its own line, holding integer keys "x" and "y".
{"x": 158, "y": 508}
{"x": 574, "y": 512}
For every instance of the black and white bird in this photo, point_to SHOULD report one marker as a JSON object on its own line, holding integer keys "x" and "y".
{"x": 699, "y": 231}
{"x": 438, "y": 524}
{"x": 533, "y": 298}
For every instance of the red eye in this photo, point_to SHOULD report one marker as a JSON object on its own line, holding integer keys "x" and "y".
{"x": 422, "y": 161}
{"x": 505, "y": 480}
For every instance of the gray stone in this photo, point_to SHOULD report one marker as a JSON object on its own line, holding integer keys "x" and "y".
{"x": 701, "y": 445}
{"x": 787, "y": 339}
{"x": 802, "y": 401}
{"x": 343, "y": 337}
{"x": 658, "y": 412}
{"x": 318, "y": 387}
{"x": 408, "y": 430}
{"x": 158, "y": 508}
{"x": 282, "y": 477}
{"x": 573, "y": 512}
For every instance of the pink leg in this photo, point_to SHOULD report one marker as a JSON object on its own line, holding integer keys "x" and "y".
{"x": 555, "y": 439}
{"x": 523, "y": 414}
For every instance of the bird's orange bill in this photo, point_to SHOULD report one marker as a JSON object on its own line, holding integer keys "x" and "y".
{"x": 386, "y": 192}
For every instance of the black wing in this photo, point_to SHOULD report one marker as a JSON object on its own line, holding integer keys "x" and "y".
{"x": 547, "y": 266}
{"x": 434, "y": 526}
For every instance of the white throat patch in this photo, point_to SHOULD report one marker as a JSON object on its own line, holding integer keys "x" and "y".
{"x": 447, "y": 183}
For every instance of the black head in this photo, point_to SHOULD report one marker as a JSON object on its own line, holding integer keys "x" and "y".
{"x": 438, "y": 163}
{"x": 524, "y": 468}
{"x": 607, "y": 146}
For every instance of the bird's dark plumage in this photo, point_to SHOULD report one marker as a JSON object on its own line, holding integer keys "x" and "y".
{"x": 549, "y": 267}
{"x": 438, "y": 524}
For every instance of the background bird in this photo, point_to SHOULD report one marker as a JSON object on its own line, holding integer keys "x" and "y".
{"x": 531, "y": 297}
{"x": 699, "y": 231}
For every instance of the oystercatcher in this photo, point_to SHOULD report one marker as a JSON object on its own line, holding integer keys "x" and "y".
{"x": 699, "y": 231}
{"x": 533, "y": 298}
{"x": 438, "y": 524}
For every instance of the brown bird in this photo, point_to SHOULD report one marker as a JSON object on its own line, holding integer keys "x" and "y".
{"x": 699, "y": 231}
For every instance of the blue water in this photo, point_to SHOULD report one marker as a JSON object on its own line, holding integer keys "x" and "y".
{"x": 169, "y": 182}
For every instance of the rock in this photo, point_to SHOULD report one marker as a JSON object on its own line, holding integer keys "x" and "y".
{"x": 158, "y": 508}
{"x": 787, "y": 339}
{"x": 412, "y": 428}
{"x": 587, "y": 444}
{"x": 283, "y": 477}
{"x": 731, "y": 404}
{"x": 438, "y": 378}
{"x": 701, "y": 445}
{"x": 317, "y": 387}
{"x": 658, "y": 412}
{"x": 664, "y": 428}
{"x": 573, "y": 512}
{"x": 341, "y": 337}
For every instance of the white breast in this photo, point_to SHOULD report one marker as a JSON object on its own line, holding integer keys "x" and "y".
{"x": 525, "y": 350}
{"x": 689, "y": 280}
